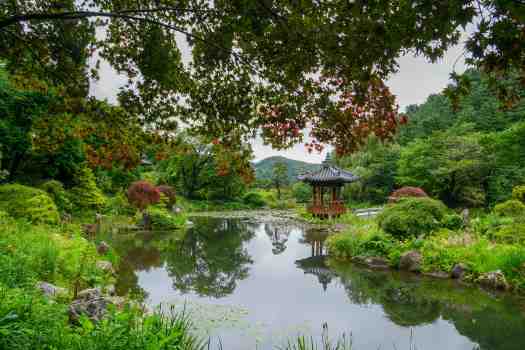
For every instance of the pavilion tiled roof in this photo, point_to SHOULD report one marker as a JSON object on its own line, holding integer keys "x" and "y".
{"x": 328, "y": 174}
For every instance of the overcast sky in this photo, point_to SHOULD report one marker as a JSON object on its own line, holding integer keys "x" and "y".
{"x": 417, "y": 78}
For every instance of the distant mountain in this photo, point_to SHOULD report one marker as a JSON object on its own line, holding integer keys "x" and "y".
{"x": 263, "y": 168}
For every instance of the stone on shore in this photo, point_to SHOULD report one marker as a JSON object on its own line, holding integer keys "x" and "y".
{"x": 411, "y": 261}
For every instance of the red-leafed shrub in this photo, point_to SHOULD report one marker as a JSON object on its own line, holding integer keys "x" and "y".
{"x": 142, "y": 194}
{"x": 169, "y": 192}
{"x": 406, "y": 192}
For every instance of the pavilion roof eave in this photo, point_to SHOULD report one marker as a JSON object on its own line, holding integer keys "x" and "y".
{"x": 328, "y": 175}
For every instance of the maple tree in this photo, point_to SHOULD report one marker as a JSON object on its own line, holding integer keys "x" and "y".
{"x": 279, "y": 65}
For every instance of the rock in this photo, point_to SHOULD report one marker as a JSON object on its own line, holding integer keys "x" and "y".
{"x": 437, "y": 274}
{"x": 110, "y": 290}
{"x": 94, "y": 309}
{"x": 372, "y": 262}
{"x": 105, "y": 266}
{"x": 411, "y": 261}
{"x": 89, "y": 229}
{"x": 465, "y": 214}
{"x": 91, "y": 293}
{"x": 494, "y": 279}
{"x": 119, "y": 302}
{"x": 50, "y": 290}
{"x": 102, "y": 248}
{"x": 89, "y": 302}
{"x": 458, "y": 271}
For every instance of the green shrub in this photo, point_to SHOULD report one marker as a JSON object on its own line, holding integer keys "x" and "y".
{"x": 302, "y": 192}
{"x": 161, "y": 219}
{"x": 283, "y": 204}
{"x": 452, "y": 221}
{"x": 518, "y": 193}
{"x": 28, "y": 203}
{"x": 514, "y": 233}
{"x": 510, "y": 208}
{"x": 118, "y": 204}
{"x": 86, "y": 194}
{"x": 254, "y": 200}
{"x": 56, "y": 190}
{"x": 412, "y": 217}
{"x": 489, "y": 224}
{"x": 4, "y": 216}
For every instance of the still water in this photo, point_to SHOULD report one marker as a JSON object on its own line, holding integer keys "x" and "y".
{"x": 252, "y": 284}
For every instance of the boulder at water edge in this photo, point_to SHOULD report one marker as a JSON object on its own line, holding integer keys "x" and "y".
{"x": 411, "y": 261}
{"x": 494, "y": 279}
{"x": 458, "y": 271}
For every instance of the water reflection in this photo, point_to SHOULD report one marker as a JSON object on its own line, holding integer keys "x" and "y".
{"x": 281, "y": 274}
{"x": 493, "y": 322}
{"x": 315, "y": 263}
{"x": 211, "y": 258}
{"x": 278, "y": 234}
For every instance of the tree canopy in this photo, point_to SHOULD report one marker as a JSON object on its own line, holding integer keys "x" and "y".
{"x": 276, "y": 65}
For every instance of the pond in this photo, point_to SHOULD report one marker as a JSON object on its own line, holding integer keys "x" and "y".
{"x": 254, "y": 283}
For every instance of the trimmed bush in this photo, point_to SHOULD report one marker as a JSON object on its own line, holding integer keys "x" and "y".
{"x": 452, "y": 221}
{"x": 254, "y": 200}
{"x": 161, "y": 219}
{"x": 86, "y": 194}
{"x": 405, "y": 192}
{"x": 511, "y": 208}
{"x": 28, "y": 203}
{"x": 412, "y": 217}
{"x": 518, "y": 193}
{"x": 56, "y": 190}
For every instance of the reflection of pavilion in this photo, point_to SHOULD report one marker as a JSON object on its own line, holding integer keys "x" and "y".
{"x": 315, "y": 264}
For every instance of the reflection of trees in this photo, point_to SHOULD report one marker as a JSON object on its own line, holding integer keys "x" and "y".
{"x": 138, "y": 252}
{"x": 411, "y": 301}
{"x": 211, "y": 257}
{"x": 315, "y": 238}
{"x": 278, "y": 234}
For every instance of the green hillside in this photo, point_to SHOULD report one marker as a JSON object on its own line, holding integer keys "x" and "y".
{"x": 263, "y": 168}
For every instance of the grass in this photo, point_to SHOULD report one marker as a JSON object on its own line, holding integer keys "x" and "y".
{"x": 59, "y": 254}
{"x": 308, "y": 343}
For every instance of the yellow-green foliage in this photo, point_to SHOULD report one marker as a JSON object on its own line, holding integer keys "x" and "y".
{"x": 513, "y": 233}
{"x": 510, "y": 208}
{"x": 518, "y": 193}
{"x": 86, "y": 194}
{"x": 28, "y": 203}
{"x": 54, "y": 254}
{"x": 56, "y": 190}
{"x": 162, "y": 219}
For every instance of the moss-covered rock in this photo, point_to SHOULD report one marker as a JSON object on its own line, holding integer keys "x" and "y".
{"x": 28, "y": 203}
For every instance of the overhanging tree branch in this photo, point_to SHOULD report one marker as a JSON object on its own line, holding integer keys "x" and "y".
{"x": 126, "y": 14}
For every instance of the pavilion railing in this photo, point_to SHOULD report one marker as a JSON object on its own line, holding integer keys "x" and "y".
{"x": 331, "y": 208}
